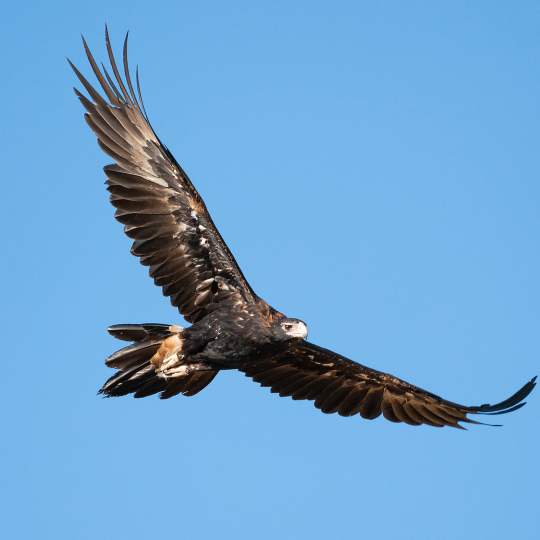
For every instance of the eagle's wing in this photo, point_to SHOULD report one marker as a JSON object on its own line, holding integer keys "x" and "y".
{"x": 337, "y": 384}
{"x": 161, "y": 210}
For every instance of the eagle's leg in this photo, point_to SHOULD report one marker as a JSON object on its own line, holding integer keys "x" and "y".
{"x": 169, "y": 360}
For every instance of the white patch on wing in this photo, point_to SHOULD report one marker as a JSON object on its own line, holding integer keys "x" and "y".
{"x": 157, "y": 180}
{"x": 205, "y": 284}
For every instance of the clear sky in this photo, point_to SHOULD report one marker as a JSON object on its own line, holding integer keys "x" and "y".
{"x": 374, "y": 168}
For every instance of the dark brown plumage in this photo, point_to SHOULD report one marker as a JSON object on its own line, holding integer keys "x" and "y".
{"x": 339, "y": 385}
{"x": 232, "y": 328}
{"x": 161, "y": 211}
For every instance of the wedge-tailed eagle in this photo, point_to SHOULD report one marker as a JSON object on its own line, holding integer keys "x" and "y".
{"x": 231, "y": 327}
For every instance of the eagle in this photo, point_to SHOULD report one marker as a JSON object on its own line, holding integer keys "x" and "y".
{"x": 231, "y": 327}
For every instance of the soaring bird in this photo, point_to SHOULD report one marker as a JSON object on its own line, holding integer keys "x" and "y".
{"x": 231, "y": 327}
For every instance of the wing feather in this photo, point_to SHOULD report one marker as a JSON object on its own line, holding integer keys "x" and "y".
{"x": 336, "y": 384}
{"x": 162, "y": 212}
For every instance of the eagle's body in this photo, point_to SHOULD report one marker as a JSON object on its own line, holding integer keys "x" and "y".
{"x": 228, "y": 338}
{"x": 231, "y": 327}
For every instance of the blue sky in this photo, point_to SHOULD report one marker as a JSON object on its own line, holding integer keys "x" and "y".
{"x": 374, "y": 168}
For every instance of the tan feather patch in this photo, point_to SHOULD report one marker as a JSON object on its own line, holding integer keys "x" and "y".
{"x": 168, "y": 348}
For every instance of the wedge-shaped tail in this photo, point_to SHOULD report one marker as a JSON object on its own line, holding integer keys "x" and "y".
{"x": 153, "y": 363}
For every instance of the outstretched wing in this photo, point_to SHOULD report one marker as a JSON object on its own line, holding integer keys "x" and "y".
{"x": 161, "y": 210}
{"x": 337, "y": 384}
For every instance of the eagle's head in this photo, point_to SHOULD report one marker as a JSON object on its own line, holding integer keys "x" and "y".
{"x": 286, "y": 329}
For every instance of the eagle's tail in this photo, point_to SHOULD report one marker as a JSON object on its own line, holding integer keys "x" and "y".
{"x": 153, "y": 363}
